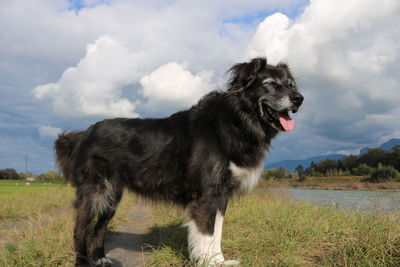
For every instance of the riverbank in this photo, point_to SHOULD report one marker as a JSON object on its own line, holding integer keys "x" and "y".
{"x": 334, "y": 183}
{"x": 266, "y": 229}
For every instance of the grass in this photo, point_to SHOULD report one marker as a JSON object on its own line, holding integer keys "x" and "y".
{"x": 260, "y": 229}
{"x": 36, "y": 224}
{"x": 22, "y": 202}
{"x": 265, "y": 230}
{"x": 8, "y": 187}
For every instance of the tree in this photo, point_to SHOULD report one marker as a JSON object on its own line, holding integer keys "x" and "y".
{"x": 301, "y": 173}
{"x": 50, "y": 176}
{"x": 312, "y": 165}
{"x": 341, "y": 166}
{"x": 9, "y": 174}
{"x": 392, "y": 158}
{"x": 325, "y": 165}
{"x": 373, "y": 157}
{"x": 310, "y": 171}
{"x": 299, "y": 168}
{"x": 383, "y": 174}
{"x": 350, "y": 162}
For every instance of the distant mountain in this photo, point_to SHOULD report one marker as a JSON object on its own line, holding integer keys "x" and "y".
{"x": 364, "y": 150}
{"x": 390, "y": 144}
{"x": 290, "y": 165}
{"x": 385, "y": 146}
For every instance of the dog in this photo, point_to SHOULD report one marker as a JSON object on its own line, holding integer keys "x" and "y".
{"x": 197, "y": 158}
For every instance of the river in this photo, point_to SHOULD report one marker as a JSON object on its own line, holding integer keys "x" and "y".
{"x": 367, "y": 201}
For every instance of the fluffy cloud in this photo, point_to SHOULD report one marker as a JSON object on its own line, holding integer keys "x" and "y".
{"x": 137, "y": 38}
{"x": 49, "y": 131}
{"x": 93, "y": 86}
{"x": 345, "y": 54}
{"x": 172, "y": 86}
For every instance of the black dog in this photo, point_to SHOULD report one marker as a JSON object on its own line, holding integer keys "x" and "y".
{"x": 197, "y": 158}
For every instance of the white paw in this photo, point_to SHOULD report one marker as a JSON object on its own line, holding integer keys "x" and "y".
{"x": 231, "y": 262}
{"x": 210, "y": 260}
{"x": 218, "y": 260}
{"x": 103, "y": 262}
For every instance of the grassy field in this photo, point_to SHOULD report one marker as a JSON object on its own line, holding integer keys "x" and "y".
{"x": 36, "y": 223}
{"x": 260, "y": 229}
{"x": 265, "y": 230}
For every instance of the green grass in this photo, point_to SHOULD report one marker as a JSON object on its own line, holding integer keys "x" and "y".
{"x": 260, "y": 230}
{"x": 17, "y": 186}
{"x": 36, "y": 224}
{"x": 265, "y": 230}
{"x": 22, "y": 202}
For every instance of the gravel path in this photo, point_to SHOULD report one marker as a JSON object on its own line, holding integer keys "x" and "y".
{"x": 125, "y": 245}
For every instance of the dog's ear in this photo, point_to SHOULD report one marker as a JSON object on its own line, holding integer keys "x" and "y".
{"x": 242, "y": 75}
{"x": 283, "y": 66}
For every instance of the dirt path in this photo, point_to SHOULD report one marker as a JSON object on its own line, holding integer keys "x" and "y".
{"x": 125, "y": 245}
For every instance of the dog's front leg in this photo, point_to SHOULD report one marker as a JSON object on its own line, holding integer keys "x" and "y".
{"x": 205, "y": 233}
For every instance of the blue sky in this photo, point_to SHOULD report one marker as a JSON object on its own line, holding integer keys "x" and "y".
{"x": 67, "y": 64}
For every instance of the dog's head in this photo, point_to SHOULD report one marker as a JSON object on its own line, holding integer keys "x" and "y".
{"x": 271, "y": 90}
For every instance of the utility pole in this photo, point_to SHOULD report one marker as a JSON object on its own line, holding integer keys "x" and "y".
{"x": 26, "y": 163}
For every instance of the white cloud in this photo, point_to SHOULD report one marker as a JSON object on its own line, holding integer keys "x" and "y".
{"x": 173, "y": 86}
{"x": 270, "y": 39}
{"x": 346, "y": 53}
{"x": 49, "y": 131}
{"x": 93, "y": 86}
{"x": 137, "y": 38}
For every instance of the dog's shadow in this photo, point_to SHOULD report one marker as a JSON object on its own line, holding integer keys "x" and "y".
{"x": 172, "y": 237}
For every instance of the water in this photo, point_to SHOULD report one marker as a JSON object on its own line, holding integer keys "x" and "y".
{"x": 366, "y": 201}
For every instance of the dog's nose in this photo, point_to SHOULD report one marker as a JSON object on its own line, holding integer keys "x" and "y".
{"x": 297, "y": 99}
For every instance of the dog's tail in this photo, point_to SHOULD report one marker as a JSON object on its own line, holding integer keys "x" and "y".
{"x": 64, "y": 148}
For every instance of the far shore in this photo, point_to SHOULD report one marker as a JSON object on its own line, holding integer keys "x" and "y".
{"x": 335, "y": 183}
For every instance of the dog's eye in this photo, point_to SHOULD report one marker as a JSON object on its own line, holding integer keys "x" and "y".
{"x": 290, "y": 83}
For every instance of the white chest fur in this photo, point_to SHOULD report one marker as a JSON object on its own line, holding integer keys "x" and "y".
{"x": 248, "y": 177}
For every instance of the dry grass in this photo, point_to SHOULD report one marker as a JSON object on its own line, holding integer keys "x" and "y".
{"x": 36, "y": 226}
{"x": 260, "y": 229}
{"x": 266, "y": 230}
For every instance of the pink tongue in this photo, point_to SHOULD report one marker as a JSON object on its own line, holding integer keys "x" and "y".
{"x": 286, "y": 122}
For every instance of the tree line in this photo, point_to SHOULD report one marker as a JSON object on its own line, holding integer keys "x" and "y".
{"x": 12, "y": 174}
{"x": 377, "y": 164}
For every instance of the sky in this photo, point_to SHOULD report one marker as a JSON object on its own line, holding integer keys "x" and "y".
{"x": 67, "y": 64}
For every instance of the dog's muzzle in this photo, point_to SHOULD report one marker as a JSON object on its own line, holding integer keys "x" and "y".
{"x": 297, "y": 99}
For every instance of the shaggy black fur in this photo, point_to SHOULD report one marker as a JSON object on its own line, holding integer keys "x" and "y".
{"x": 183, "y": 158}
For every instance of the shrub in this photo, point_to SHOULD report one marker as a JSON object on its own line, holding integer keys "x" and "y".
{"x": 302, "y": 177}
{"x": 276, "y": 173}
{"x": 362, "y": 169}
{"x": 383, "y": 174}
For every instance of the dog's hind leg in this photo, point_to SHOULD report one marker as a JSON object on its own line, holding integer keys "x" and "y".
{"x": 96, "y": 250}
{"x": 84, "y": 218}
